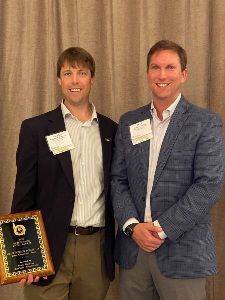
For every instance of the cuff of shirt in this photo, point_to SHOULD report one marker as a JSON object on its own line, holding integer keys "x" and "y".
{"x": 161, "y": 234}
{"x": 130, "y": 221}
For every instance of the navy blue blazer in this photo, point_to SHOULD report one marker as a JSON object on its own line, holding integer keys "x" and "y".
{"x": 187, "y": 183}
{"x": 45, "y": 181}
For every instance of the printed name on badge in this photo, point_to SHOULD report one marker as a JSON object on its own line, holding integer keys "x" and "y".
{"x": 141, "y": 132}
{"x": 59, "y": 142}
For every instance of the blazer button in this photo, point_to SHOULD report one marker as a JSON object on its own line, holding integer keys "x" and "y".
{"x": 143, "y": 199}
{"x": 71, "y": 200}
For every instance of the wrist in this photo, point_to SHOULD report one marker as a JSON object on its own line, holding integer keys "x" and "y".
{"x": 130, "y": 229}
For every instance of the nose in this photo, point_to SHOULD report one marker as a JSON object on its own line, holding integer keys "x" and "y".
{"x": 74, "y": 79}
{"x": 162, "y": 73}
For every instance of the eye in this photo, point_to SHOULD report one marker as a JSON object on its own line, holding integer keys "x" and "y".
{"x": 83, "y": 73}
{"x": 67, "y": 74}
{"x": 171, "y": 67}
{"x": 154, "y": 67}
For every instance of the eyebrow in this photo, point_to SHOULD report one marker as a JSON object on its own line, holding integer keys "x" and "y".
{"x": 78, "y": 68}
{"x": 169, "y": 64}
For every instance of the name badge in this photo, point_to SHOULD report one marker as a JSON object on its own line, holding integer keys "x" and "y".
{"x": 141, "y": 132}
{"x": 59, "y": 142}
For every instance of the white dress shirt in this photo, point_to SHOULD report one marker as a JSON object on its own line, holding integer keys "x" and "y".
{"x": 87, "y": 163}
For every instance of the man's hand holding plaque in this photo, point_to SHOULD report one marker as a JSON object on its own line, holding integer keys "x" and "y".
{"x": 30, "y": 279}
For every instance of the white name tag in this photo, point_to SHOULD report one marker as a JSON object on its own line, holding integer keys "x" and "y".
{"x": 59, "y": 142}
{"x": 141, "y": 132}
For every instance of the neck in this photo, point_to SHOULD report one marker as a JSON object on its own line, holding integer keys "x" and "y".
{"x": 160, "y": 109}
{"x": 82, "y": 113}
{"x": 161, "y": 105}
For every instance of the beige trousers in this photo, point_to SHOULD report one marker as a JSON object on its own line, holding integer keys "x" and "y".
{"x": 82, "y": 274}
{"x": 145, "y": 282}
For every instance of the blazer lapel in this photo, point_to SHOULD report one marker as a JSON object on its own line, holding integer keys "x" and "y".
{"x": 145, "y": 146}
{"x": 106, "y": 139}
{"x": 176, "y": 123}
{"x": 56, "y": 124}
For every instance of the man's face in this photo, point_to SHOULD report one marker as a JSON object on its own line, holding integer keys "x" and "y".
{"x": 76, "y": 84}
{"x": 165, "y": 76}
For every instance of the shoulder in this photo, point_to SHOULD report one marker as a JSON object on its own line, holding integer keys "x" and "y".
{"x": 199, "y": 114}
{"x": 136, "y": 115}
{"x": 106, "y": 120}
{"x": 205, "y": 115}
{"x": 43, "y": 118}
{"x": 139, "y": 111}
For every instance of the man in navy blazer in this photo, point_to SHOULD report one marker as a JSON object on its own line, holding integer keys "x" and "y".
{"x": 69, "y": 183}
{"x": 167, "y": 173}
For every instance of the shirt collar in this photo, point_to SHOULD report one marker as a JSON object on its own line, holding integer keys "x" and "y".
{"x": 167, "y": 112}
{"x": 66, "y": 112}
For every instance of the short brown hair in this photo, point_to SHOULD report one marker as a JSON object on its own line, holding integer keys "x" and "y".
{"x": 76, "y": 56}
{"x": 168, "y": 45}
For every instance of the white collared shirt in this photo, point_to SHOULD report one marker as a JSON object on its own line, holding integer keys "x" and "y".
{"x": 87, "y": 163}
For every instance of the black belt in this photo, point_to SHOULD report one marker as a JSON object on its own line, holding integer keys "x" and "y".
{"x": 77, "y": 230}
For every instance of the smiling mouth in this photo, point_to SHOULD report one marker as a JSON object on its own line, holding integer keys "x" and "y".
{"x": 162, "y": 84}
{"x": 75, "y": 90}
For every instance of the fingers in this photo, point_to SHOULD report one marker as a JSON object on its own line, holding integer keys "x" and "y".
{"x": 22, "y": 281}
{"x": 149, "y": 243}
{"x": 155, "y": 234}
{"x": 146, "y": 238}
{"x": 36, "y": 279}
{"x": 30, "y": 279}
{"x": 144, "y": 229}
{"x": 150, "y": 226}
{"x": 147, "y": 246}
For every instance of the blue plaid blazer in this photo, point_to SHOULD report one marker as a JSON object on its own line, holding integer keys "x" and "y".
{"x": 187, "y": 183}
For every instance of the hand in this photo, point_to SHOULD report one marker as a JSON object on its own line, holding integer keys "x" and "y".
{"x": 146, "y": 236}
{"x": 156, "y": 235}
{"x": 30, "y": 279}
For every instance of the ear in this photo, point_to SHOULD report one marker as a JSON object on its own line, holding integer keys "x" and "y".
{"x": 92, "y": 79}
{"x": 59, "y": 81}
{"x": 184, "y": 75}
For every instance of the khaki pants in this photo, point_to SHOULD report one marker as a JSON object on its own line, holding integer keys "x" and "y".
{"x": 82, "y": 274}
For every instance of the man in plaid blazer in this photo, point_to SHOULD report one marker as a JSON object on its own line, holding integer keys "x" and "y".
{"x": 167, "y": 173}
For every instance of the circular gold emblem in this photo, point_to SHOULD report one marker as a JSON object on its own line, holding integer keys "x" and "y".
{"x": 19, "y": 229}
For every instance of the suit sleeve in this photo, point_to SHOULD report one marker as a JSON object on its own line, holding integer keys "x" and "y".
{"x": 208, "y": 177}
{"x": 123, "y": 204}
{"x": 26, "y": 178}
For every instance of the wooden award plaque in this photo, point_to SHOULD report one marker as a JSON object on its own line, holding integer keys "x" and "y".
{"x": 24, "y": 247}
